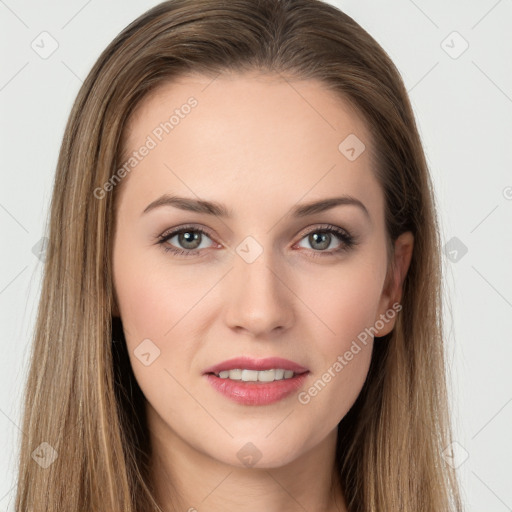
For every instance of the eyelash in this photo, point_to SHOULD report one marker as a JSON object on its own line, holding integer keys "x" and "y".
{"x": 348, "y": 241}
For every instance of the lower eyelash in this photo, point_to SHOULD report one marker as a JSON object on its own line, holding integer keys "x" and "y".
{"x": 348, "y": 241}
{"x": 180, "y": 252}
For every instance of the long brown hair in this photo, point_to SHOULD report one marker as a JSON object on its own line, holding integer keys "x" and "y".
{"x": 81, "y": 397}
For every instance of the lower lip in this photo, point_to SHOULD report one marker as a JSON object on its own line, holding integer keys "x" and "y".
{"x": 256, "y": 393}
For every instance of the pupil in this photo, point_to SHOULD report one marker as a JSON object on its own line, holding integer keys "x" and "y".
{"x": 189, "y": 237}
{"x": 323, "y": 236}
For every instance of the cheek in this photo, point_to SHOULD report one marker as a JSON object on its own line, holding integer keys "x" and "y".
{"x": 153, "y": 297}
{"x": 160, "y": 302}
{"x": 153, "y": 304}
{"x": 344, "y": 300}
{"x": 141, "y": 301}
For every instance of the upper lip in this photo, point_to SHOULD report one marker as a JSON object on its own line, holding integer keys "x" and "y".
{"x": 249, "y": 363}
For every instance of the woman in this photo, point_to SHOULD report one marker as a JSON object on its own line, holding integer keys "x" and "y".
{"x": 196, "y": 349}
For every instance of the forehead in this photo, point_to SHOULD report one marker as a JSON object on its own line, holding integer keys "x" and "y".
{"x": 266, "y": 134}
{"x": 260, "y": 97}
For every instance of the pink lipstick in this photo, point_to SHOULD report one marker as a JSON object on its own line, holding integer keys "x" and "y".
{"x": 251, "y": 381}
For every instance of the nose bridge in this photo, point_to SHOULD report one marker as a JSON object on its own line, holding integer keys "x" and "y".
{"x": 259, "y": 299}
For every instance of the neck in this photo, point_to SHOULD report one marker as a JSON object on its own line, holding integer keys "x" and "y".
{"x": 187, "y": 479}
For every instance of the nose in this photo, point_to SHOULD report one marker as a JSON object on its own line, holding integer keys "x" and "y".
{"x": 260, "y": 299}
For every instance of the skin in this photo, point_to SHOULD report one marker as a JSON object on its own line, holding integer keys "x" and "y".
{"x": 260, "y": 145}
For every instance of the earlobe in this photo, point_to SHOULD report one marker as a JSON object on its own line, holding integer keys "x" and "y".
{"x": 404, "y": 246}
{"x": 392, "y": 292}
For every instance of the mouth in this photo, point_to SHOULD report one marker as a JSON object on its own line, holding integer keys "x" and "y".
{"x": 256, "y": 382}
{"x": 246, "y": 375}
{"x": 247, "y": 365}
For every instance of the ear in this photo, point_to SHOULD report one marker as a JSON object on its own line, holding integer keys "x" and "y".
{"x": 393, "y": 286}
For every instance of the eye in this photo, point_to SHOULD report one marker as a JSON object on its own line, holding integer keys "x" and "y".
{"x": 321, "y": 238}
{"x": 190, "y": 238}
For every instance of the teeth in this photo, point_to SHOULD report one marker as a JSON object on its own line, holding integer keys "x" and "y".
{"x": 254, "y": 375}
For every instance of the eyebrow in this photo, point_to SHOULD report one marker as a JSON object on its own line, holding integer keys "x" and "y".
{"x": 219, "y": 210}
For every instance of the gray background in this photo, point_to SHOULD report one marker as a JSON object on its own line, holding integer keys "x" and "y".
{"x": 463, "y": 105}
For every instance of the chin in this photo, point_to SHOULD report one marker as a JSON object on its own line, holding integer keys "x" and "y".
{"x": 258, "y": 452}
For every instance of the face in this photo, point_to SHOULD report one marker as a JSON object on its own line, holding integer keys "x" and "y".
{"x": 256, "y": 274}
